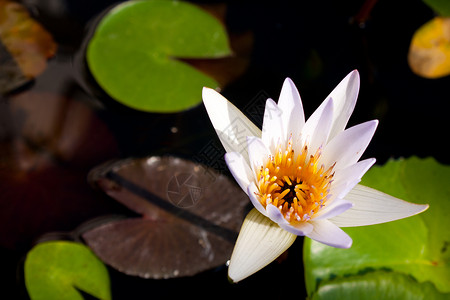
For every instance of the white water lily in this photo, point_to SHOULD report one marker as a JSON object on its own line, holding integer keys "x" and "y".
{"x": 302, "y": 177}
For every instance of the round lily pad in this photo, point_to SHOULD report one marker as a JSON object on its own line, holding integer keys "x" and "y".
{"x": 135, "y": 51}
{"x": 378, "y": 285}
{"x": 65, "y": 270}
{"x": 416, "y": 246}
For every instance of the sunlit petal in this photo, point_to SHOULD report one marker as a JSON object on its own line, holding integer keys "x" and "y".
{"x": 260, "y": 241}
{"x": 337, "y": 207}
{"x": 299, "y": 228}
{"x": 252, "y": 192}
{"x": 301, "y": 177}
{"x": 346, "y": 179}
{"x": 329, "y": 234}
{"x": 240, "y": 169}
{"x": 348, "y": 146}
{"x": 316, "y": 129}
{"x": 258, "y": 153}
{"x": 373, "y": 207}
{"x": 344, "y": 95}
{"x": 231, "y": 125}
{"x": 272, "y": 130}
{"x": 291, "y": 106}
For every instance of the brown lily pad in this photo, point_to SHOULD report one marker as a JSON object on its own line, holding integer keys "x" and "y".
{"x": 191, "y": 216}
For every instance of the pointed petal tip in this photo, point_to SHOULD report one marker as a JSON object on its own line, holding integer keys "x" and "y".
{"x": 210, "y": 91}
{"x": 347, "y": 245}
{"x": 352, "y": 79}
{"x": 353, "y": 76}
{"x": 208, "y": 94}
{"x": 423, "y": 207}
{"x": 372, "y": 126}
{"x": 373, "y": 123}
{"x": 231, "y": 280}
{"x": 234, "y": 278}
{"x": 329, "y": 234}
{"x": 343, "y": 244}
{"x": 206, "y": 89}
{"x": 355, "y": 72}
{"x": 368, "y": 126}
{"x": 375, "y": 207}
{"x": 230, "y": 123}
{"x": 289, "y": 95}
{"x": 289, "y": 81}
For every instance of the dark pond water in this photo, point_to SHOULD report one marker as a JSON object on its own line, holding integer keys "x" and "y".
{"x": 315, "y": 43}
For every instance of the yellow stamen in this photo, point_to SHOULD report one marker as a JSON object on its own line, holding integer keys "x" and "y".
{"x": 297, "y": 184}
{"x": 286, "y": 178}
{"x": 284, "y": 193}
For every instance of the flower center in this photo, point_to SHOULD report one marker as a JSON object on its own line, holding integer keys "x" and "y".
{"x": 295, "y": 183}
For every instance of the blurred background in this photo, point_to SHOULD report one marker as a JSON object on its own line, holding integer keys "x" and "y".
{"x": 57, "y": 124}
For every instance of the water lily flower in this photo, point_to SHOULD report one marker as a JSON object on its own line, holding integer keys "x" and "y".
{"x": 301, "y": 176}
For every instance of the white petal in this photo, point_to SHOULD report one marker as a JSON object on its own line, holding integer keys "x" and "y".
{"x": 252, "y": 192}
{"x": 240, "y": 169}
{"x": 300, "y": 228}
{"x": 346, "y": 179}
{"x": 316, "y": 129}
{"x": 327, "y": 233}
{"x": 258, "y": 153}
{"x": 348, "y": 146}
{"x": 272, "y": 129}
{"x": 374, "y": 207}
{"x": 337, "y": 207}
{"x": 231, "y": 125}
{"x": 344, "y": 95}
{"x": 291, "y": 106}
{"x": 260, "y": 242}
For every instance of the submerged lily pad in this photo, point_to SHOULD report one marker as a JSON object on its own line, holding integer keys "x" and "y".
{"x": 190, "y": 217}
{"x": 60, "y": 270}
{"x": 418, "y": 246}
{"x": 134, "y": 53}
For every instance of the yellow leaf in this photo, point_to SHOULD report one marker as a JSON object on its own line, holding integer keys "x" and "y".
{"x": 429, "y": 52}
{"x": 26, "y": 40}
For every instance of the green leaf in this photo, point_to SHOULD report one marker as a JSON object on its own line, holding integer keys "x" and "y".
{"x": 381, "y": 284}
{"x": 418, "y": 246}
{"x": 55, "y": 270}
{"x": 442, "y": 7}
{"x": 133, "y": 53}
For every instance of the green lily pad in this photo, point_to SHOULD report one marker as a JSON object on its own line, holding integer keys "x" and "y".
{"x": 381, "y": 284}
{"x": 418, "y": 246}
{"x": 442, "y": 7}
{"x": 133, "y": 53}
{"x": 58, "y": 269}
